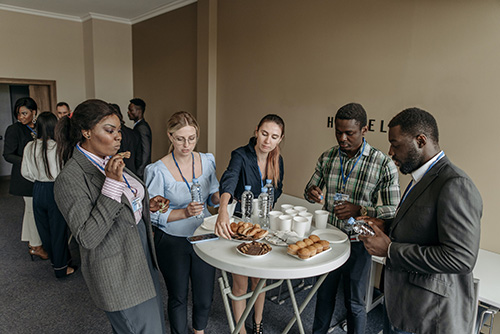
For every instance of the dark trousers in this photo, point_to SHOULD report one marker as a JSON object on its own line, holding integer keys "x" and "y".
{"x": 51, "y": 226}
{"x": 179, "y": 264}
{"x": 354, "y": 274}
{"x": 147, "y": 317}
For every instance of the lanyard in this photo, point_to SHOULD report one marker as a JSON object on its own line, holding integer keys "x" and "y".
{"x": 410, "y": 187}
{"x": 33, "y": 132}
{"x": 260, "y": 174}
{"x": 187, "y": 184}
{"x": 102, "y": 168}
{"x": 345, "y": 178}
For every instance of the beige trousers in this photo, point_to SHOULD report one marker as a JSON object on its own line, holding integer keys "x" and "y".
{"x": 29, "y": 232}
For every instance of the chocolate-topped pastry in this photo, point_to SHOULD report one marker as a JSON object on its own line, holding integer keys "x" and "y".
{"x": 254, "y": 248}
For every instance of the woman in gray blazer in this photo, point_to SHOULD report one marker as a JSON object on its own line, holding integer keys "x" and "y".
{"x": 107, "y": 209}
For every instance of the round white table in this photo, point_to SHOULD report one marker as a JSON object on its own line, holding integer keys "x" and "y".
{"x": 277, "y": 264}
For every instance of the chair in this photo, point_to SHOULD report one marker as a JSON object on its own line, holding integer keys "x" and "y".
{"x": 484, "y": 314}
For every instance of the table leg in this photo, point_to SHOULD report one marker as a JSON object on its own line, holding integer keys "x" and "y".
{"x": 303, "y": 305}
{"x": 250, "y": 303}
{"x": 295, "y": 307}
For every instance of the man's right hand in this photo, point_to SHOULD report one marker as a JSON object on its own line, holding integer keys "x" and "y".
{"x": 314, "y": 193}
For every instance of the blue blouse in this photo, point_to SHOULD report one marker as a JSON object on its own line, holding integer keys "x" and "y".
{"x": 243, "y": 170}
{"x": 160, "y": 181}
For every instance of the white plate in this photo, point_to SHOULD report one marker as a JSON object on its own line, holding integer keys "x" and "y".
{"x": 312, "y": 257}
{"x": 331, "y": 235}
{"x": 253, "y": 256}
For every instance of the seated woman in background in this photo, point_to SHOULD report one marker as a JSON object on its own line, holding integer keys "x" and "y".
{"x": 108, "y": 211}
{"x": 41, "y": 166}
{"x": 16, "y": 137}
{"x": 251, "y": 165}
{"x": 172, "y": 177}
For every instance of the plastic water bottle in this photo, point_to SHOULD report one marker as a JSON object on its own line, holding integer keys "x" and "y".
{"x": 264, "y": 208}
{"x": 360, "y": 227}
{"x": 270, "y": 192}
{"x": 196, "y": 195}
{"x": 246, "y": 204}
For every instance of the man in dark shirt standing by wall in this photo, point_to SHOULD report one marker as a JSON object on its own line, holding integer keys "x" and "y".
{"x": 136, "y": 110}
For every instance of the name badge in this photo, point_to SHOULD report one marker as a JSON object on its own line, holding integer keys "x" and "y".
{"x": 136, "y": 204}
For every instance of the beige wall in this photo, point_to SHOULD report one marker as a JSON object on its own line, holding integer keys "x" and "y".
{"x": 164, "y": 58}
{"x": 35, "y": 47}
{"x": 303, "y": 60}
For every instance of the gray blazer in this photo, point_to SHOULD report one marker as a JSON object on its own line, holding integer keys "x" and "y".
{"x": 113, "y": 261}
{"x": 435, "y": 242}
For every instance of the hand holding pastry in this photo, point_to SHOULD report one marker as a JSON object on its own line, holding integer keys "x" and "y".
{"x": 159, "y": 203}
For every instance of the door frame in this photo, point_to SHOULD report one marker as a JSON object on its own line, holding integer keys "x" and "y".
{"x": 50, "y": 83}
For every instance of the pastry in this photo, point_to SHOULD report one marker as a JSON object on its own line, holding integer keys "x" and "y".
{"x": 293, "y": 248}
{"x": 325, "y": 244}
{"x": 234, "y": 227}
{"x": 261, "y": 234}
{"x": 312, "y": 249}
{"x": 301, "y": 244}
{"x": 254, "y": 248}
{"x": 308, "y": 242}
{"x": 253, "y": 231}
{"x": 304, "y": 253}
{"x": 319, "y": 247}
{"x": 314, "y": 238}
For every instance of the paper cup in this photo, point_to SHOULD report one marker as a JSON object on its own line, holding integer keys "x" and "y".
{"x": 285, "y": 207}
{"x": 273, "y": 220}
{"x": 320, "y": 218}
{"x": 285, "y": 223}
{"x": 308, "y": 216}
{"x": 300, "y": 208}
{"x": 291, "y": 212}
{"x": 230, "y": 208}
{"x": 299, "y": 225}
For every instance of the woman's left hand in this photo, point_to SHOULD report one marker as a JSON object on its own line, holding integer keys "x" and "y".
{"x": 194, "y": 209}
{"x": 159, "y": 203}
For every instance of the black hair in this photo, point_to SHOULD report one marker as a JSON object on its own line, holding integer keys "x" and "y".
{"x": 415, "y": 121}
{"x": 139, "y": 103}
{"x": 45, "y": 125}
{"x": 69, "y": 130}
{"x": 117, "y": 111}
{"x": 62, "y": 104}
{"x": 27, "y": 102}
{"x": 353, "y": 111}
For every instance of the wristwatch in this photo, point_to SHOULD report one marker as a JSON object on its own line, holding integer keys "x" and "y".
{"x": 363, "y": 211}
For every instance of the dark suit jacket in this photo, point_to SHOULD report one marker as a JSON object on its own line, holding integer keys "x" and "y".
{"x": 435, "y": 242}
{"x": 113, "y": 261}
{"x": 144, "y": 131}
{"x": 131, "y": 142}
{"x": 16, "y": 138}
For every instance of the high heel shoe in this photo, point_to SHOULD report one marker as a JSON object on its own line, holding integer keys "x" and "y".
{"x": 74, "y": 269}
{"x": 257, "y": 328}
{"x": 38, "y": 251}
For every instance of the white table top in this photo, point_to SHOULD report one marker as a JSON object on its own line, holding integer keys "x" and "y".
{"x": 277, "y": 264}
{"x": 487, "y": 269}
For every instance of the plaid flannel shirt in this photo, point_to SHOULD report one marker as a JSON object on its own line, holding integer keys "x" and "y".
{"x": 374, "y": 174}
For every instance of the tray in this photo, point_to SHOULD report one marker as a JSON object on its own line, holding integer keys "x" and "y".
{"x": 331, "y": 235}
{"x": 310, "y": 258}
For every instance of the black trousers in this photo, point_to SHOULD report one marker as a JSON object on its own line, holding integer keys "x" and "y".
{"x": 51, "y": 226}
{"x": 179, "y": 264}
{"x": 354, "y": 274}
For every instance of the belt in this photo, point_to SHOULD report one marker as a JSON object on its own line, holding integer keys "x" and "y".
{"x": 354, "y": 238}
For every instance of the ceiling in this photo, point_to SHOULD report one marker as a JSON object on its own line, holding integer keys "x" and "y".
{"x": 127, "y": 11}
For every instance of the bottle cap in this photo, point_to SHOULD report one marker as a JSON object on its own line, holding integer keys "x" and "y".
{"x": 263, "y": 190}
{"x": 195, "y": 180}
{"x": 351, "y": 221}
{"x": 268, "y": 181}
{"x": 248, "y": 188}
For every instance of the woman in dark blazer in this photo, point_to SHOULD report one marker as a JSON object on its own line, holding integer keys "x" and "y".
{"x": 107, "y": 209}
{"x": 16, "y": 137}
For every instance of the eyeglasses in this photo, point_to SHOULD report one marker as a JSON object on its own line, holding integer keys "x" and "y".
{"x": 182, "y": 140}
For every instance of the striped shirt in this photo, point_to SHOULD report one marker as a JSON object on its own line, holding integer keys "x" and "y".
{"x": 374, "y": 175}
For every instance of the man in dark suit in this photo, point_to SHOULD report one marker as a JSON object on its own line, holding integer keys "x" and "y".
{"x": 136, "y": 110}
{"x": 432, "y": 244}
{"x": 131, "y": 142}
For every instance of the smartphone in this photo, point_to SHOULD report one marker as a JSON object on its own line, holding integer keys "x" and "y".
{"x": 202, "y": 237}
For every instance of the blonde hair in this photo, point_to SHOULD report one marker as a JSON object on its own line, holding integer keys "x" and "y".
{"x": 179, "y": 120}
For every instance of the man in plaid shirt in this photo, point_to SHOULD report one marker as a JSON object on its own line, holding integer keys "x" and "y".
{"x": 358, "y": 173}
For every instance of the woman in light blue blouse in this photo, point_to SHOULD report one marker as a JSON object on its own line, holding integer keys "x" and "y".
{"x": 172, "y": 177}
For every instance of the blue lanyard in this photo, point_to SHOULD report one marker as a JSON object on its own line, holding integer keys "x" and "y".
{"x": 187, "y": 184}
{"x": 32, "y": 130}
{"x": 102, "y": 168}
{"x": 260, "y": 174}
{"x": 345, "y": 178}
{"x": 410, "y": 187}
